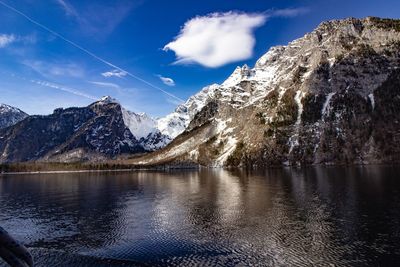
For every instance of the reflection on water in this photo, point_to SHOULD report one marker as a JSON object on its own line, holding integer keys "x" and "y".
{"x": 297, "y": 217}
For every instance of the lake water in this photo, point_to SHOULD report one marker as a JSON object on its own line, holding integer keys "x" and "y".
{"x": 280, "y": 217}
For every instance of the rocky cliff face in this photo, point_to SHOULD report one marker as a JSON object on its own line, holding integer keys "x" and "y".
{"x": 332, "y": 96}
{"x": 102, "y": 130}
{"x": 10, "y": 116}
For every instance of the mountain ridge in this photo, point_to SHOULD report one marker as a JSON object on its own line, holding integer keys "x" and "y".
{"x": 329, "y": 97}
{"x": 99, "y": 131}
{"x": 302, "y": 103}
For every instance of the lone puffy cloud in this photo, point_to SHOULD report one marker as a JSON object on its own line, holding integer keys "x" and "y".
{"x": 114, "y": 73}
{"x": 216, "y": 39}
{"x": 166, "y": 80}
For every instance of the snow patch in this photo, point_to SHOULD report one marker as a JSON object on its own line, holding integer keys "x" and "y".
{"x": 229, "y": 147}
{"x": 326, "y": 104}
{"x": 372, "y": 99}
{"x": 294, "y": 139}
{"x": 107, "y": 100}
{"x": 298, "y": 98}
{"x": 331, "y": 61}
{"x": 293, "y": 142}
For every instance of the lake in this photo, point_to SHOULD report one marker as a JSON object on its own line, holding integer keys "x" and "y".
{"x": 321, "y": 216}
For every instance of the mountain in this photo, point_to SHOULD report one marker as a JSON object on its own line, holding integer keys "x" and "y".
{"x": 176, "y": 123}
{"x": 330, "y": 97}
{"x": 99, "y": 131}
{"x": 10, "y": 115}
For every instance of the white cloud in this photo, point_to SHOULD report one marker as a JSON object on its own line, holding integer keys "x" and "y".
{"x": 221, "y": 38}
{"x": 103, "y": 84}
{"x": 48, "y": 69}
{"x": 166, "y": 80}
{"x": 216, "y": 39}
{"x": 6, "y": 39}
{"x": 114, "y": 73}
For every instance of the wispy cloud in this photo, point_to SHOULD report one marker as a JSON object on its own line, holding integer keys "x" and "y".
{"x": 86, "y": 51}
{"x": 105, "y": 84}
{"x": 99, "y": 19}
{"x": 114, "y": 73}
{"x": 64, "y": 89}
{"x": 288, "y": 12}
{"x": 221, "y": 38}
{"x": 47, "y": 69}
{"x": 166, "y": 80}
{"x": 6, "y": 39}
{"x": 69, "y": 9}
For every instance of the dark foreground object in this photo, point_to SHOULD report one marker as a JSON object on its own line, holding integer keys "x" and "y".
{"x": 15, "y": 254}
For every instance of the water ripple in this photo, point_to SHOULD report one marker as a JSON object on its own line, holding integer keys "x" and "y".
{"x": 282, "y": 217}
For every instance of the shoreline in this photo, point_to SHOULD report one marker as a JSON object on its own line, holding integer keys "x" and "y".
{"x": 72, "y": 171}
{"x": 170, "y": 168}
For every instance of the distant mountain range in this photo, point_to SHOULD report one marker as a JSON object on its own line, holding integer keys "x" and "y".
{"x": 97, "y": 132}
{"x": 330, "y": 97}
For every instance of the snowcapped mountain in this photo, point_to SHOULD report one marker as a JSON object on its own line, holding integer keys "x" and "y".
{"x": 145, "y": 129}
{"x": 99, "y": 131}
{"x": 332, "y": 96}
{"x": 10, "y": 115}
{"x": 142, "y": 127}
{"x": 175, "y": 123}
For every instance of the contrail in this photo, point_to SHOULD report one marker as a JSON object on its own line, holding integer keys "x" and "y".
{"x": 87, "y": 51}
{"x": 64, "y": 88}
{"x": 53, "y": 85}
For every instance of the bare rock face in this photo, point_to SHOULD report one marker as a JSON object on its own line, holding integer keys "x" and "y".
{"x": 10, "y": 115}
{"x": 330, "y": 97}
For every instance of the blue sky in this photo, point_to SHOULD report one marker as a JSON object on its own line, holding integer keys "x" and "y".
{"x": 174, "y": 47}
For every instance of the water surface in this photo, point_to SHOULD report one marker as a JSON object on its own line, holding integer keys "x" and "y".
{"x": 280, "y": 217}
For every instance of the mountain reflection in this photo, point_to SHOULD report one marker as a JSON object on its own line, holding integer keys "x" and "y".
{"x": 310, "y": 216}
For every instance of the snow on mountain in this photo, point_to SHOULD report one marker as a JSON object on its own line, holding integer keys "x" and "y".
{"x": 331, "y": 96}
{"x": 328, "y": 96}
{"x": 175, "y": 123}
{"x": 145, "y": 129}
{"x": 10, "y": 115}
{"x": 107, "y": 100}
{"x": 155, "y": 141}
{"x": 264, "y": 75}
{"x": 140, "y": 125}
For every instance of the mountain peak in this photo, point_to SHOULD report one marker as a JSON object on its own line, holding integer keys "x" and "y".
{"x": 107, "y": 100}
{"x": 10, "y": 115}
{"x": 7, "y": 108}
